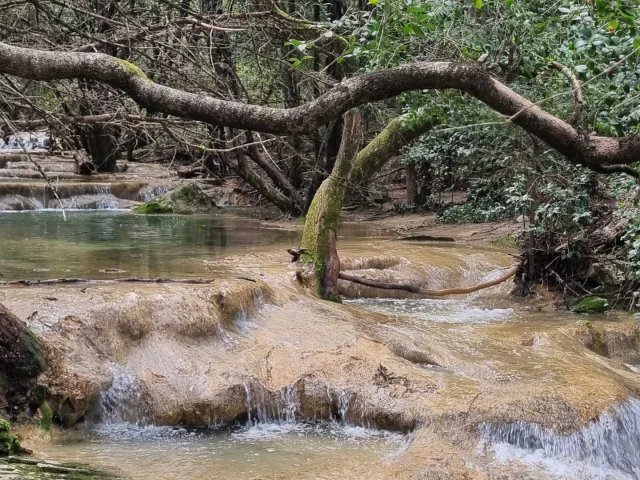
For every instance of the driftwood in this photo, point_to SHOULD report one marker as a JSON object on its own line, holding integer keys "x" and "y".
{"x": 429, "y": 293}
{"x": 57, "y": 281}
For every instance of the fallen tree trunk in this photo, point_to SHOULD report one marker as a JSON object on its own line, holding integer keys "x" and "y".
{"x": 429, "y": 293}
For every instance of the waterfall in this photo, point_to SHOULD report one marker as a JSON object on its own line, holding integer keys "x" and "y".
{"x": 610, "y": 442}
{"x": 123, "y": 401}
{"x": 264, "y": 407}
{"x": 343, "y": 405}
{"x": 32, "y": 142}
{"x": 81, "y": 196}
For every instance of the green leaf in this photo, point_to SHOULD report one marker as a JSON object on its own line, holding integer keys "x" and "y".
{"x": 602, "y": 6}
{"x": 373, "y": 2}
{"x": 627, "y": 12}
{"x": 508, "y": 3}
{"x": 479, "y": 4}
{"x": 580, "y": 68}
{"x": 636, "y": 43}
{"x": 418, "y": 31}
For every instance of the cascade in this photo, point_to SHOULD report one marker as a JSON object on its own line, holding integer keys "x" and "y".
{"x": 123, "y": 401}
{"x": 610, "y": 442}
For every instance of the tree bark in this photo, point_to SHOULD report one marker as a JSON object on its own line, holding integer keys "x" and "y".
{"x": 592, "y": 151}
{"x": 385, "y": 145}
{"x": 272, "y": 171}
{"x": 321, "y": 225}
{"x": 412, "y": 184}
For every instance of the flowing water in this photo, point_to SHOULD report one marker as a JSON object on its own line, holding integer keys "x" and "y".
{"x": 482, "y": 339}
{"x": 261, "y": 452}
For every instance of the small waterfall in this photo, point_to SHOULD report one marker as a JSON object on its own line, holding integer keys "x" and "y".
{"x": 81, "y": 196}
{"x": 264, "y": 407}
{"x": 610, "y": 442}
{"x": 123, "y": 401}
{"x": 289, "y": 397}
{"x": 32, "y": 142}
{"x": 343, "y": 405}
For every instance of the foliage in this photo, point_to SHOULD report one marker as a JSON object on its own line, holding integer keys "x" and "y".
{"x": 9, "y": 444}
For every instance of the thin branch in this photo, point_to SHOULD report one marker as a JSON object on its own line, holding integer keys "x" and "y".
{"x": 578, "y": 102}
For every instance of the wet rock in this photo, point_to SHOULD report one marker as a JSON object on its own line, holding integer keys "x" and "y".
{"x": 21, "y": 359}
{"x": 34, "y": 468}
{"x": 184, "y": 200}
{"x": 592, "y": 305}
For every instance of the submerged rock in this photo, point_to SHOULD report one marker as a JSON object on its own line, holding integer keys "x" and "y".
{"x": 32, "y": 468}
{"x": 184, "y": 200}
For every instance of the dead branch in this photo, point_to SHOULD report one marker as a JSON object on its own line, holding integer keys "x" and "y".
{"x": 430, "y": 293}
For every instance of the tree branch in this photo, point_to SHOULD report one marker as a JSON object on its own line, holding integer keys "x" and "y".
{"x": 429, "y": 293}
{"x": 470, "y": 78}
{"x": 576, "y": 88}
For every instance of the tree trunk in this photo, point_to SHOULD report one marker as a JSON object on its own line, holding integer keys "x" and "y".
{"x": 602, "y": 154}
{"x": 384, "y": 146}
{"x": 321, "y": 225}
{"x": 412, "y": 184}
{"x": 102, "y": 146}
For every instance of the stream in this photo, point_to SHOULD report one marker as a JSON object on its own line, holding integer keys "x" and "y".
{"x": 316, "y": 390}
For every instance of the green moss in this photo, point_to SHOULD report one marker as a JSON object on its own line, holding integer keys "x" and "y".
{"x": 333, "y": 298}
{"x": 9, "y": 443}
{"x": 505, "y": 242}
{"x": 46, "y": 417}
{"x": 592, "y": 305}
{"x": 131, "y": 68}
{"x": 153, "y": 208}
{"x": 187, "y": 199}
{"x": 598, "y": 343}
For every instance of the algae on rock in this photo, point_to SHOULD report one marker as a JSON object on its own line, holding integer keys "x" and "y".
{"x": 592, "y": 305}
{"x": 185, "y": 200}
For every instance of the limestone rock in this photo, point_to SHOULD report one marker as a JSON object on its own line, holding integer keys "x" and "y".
{"x": 185, "y": 200}
{"x": 608, "y": 273}
{"x": 21, "y": 359}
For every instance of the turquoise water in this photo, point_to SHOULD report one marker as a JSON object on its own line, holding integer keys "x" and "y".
{"x": 38, "y": 245}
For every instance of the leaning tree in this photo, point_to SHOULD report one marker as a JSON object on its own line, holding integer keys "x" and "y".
{"x": 600, "y": 153}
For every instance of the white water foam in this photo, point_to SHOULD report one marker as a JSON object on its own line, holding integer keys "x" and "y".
{"x": 122, "y": 402}
{"x": 608, "y": 446}
{"x": 447, "y": 311}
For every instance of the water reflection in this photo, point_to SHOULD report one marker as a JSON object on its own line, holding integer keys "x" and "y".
{"x": 43, "y": 245}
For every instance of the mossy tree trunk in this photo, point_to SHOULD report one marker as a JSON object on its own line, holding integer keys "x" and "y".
{"x": 385, "y": 145}
{"x": 321, "y": 225}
